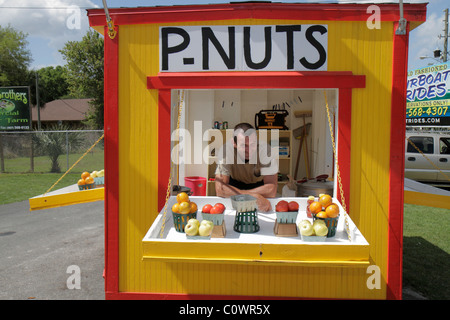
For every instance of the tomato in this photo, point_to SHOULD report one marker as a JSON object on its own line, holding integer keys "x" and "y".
{"x": 282, "y": 206}
{"x": 220, "y": 207}
{"x": 206, "y": 208}
{"x": 293, "y": 206}
{"x": 215, "y": 210}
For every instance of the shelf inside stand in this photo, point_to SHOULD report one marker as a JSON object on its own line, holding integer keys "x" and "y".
{"x": 260, "y": 247}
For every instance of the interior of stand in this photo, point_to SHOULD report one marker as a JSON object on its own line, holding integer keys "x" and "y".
{"x": 201, "y": 108}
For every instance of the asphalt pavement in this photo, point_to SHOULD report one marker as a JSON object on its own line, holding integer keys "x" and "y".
{"x": 52, "y": 254}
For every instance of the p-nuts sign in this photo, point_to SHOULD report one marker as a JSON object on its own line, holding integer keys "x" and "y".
{"x": 243, "y": 48}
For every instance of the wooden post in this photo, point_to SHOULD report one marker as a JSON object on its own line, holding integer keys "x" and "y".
{"x": 2, "y": 160}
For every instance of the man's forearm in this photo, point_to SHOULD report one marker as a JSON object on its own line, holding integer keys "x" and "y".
{"x": 226, "y": 190}
{"x": 267, "y": 191}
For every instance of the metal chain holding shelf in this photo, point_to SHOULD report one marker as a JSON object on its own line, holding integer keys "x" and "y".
{"x": 169, "y": 185}
{"x": 338, "y": 174}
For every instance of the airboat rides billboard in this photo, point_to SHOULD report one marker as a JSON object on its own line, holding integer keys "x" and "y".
{"x": 15, "y": 108}
{"x": 428, "y": 96}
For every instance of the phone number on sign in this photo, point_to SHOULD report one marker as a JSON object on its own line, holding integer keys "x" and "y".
{"x": 426, "y": 111}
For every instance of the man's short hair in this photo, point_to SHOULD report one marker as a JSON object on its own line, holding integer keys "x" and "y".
{"x": 242, "y": 127}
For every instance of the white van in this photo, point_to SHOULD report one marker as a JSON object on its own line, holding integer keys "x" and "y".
{"x": 436, "y": 147}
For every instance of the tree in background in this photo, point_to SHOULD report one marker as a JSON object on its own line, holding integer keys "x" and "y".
{"x": 84, "y": 71}
{"x": 53, "y": 143}
{"x": 52, "y": 84}
{"x": 14, "y": 57}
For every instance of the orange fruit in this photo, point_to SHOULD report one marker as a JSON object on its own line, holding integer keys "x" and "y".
{"x": 185, "y": 207}
{"x": 194, "y": 207}
{"x": 182, "y": 197}
{"x": 322, "y": 214}
{"x": 176, "y": 208}
{"x": 84, "y": 175}
{"x": 332, "y": 210}
{"x": 81, "y": 182}
{"x": 89, "y": 180}
{"x": 315, "y": 207}
{"x": 325, "y": 200}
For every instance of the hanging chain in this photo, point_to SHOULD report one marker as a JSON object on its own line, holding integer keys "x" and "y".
{"x": 169, "y": 185}
{"x": 338, "y": 173}
{"x": 423, "y": 154}
{"x": 76, "y": 162}
{"x": 109, "y": 22}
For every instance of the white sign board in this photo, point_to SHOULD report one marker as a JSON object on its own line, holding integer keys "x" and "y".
{"x": 243, "y": 48}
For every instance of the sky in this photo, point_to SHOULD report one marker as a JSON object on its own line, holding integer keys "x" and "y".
{"x": 51, "y": 23}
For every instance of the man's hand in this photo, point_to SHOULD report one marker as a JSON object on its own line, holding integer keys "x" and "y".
{"x": 263, "y": 204}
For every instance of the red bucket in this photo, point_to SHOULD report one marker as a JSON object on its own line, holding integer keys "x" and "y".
{"x": 197, "y": 185}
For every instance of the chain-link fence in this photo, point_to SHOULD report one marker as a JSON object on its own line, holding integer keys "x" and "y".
{"x": 50, "y": 151}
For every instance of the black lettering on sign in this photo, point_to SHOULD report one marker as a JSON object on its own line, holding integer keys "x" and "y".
{"x": 316, "y": 44}
{"x": 239, "y": 48}
{"x": 247, "y": 49}
{"x": 209, "y": 36}
{"x": 289, "y": 42}
{"x": 166, "y": 50}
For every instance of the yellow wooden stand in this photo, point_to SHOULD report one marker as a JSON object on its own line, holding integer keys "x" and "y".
{"x": 65, "y": 197}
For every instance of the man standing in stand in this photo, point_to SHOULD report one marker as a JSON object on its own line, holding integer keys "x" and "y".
{"x": 240, "y": 169}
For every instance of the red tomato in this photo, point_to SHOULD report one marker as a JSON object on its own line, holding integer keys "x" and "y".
{"x": 293, "y": 206}
{"x": 214, "y": 210}
{"x": 282, "y": 206}
{"x": 207, "y": 208}
{"x": 220, "y": 206}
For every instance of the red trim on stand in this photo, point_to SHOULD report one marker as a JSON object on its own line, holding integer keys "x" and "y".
{"x": 255, "y": 79}
{"x": 344, "y": 139}
{"x": 111, "y": 129}
{"x": 277, "y": 11}
{"x": 397, "y": 164}
{"x": 163, "y": 145}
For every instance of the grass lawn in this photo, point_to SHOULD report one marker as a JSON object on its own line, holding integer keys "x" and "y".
{"x": 91, "y": 161}
{"x": 20, "y": 187}
{"x": 426, "y": 241}
{"x": 426, "y": 251}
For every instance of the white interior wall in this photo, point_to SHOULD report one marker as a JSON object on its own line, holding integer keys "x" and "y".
{"x": 252, "y": 102}
{"x": 322, "y": 150}
{"x": 199, "y": 118}
{"x": 227, "y": 107}
{"x": 302, "y": 100}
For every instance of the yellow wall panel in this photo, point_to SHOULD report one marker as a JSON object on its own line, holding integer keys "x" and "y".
{"x": 351, "y": 47}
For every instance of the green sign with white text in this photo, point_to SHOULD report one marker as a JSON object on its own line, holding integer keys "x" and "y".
{"x": 15, "y": 108}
